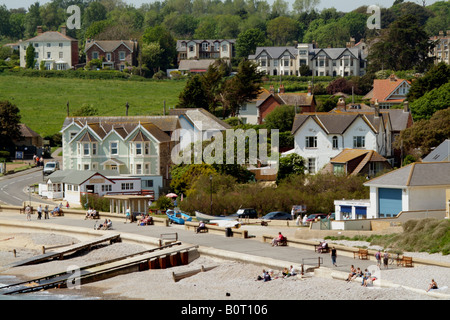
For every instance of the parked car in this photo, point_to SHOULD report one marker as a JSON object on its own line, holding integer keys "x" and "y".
{"x": 245, "y": 213}
{"x": 277, "y": 215}
{"x": 315, "y": 216}
{"x": 51, "y": 167}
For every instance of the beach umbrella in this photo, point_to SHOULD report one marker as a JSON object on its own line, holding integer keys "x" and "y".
{"x": 171, "y": 195}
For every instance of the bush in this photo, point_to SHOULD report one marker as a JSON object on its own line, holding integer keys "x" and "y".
{"x": 96, "y": 202}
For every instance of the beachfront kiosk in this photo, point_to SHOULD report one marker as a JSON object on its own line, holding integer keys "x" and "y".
{"x": 119, "y": 203}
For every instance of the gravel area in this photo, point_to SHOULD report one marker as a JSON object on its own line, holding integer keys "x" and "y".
{"x": 229, "y": 280}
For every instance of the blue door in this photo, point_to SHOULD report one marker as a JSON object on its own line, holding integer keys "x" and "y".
{"x": 389, "y": 202}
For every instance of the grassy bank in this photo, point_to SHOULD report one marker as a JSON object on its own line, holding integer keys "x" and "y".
{"x": 43, "y": 101}
{"x": 426, "y": 235}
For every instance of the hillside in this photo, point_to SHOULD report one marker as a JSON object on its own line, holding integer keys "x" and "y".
{"x": 43, "y": 101}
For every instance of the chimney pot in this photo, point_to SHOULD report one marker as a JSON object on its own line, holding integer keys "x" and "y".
{"x": 39, "y": 30}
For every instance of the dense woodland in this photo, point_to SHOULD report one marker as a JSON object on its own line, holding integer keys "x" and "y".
{"x": 158, "y": 24}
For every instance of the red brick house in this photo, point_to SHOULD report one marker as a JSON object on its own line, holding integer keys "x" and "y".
{"x": 115, "y": 54}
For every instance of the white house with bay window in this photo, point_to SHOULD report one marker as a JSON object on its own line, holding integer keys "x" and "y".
{"x": 319, "y": 137}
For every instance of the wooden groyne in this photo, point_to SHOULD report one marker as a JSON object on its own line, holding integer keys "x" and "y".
{"x": 164, "y": 257}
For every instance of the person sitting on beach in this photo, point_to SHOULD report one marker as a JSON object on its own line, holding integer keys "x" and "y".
{"x": 433, "y": 285}
{"x": 103, "y": 225}
{"x": 108, "y": 224}
{"x": 366, "y": 278}
{"x": 277, "y": 240}
{"x": 201, "y": 227}
{"x": 286, "y": 273}
{"x": 357, "y": 274}
{"x": 323, "y": 247}
{"x": 55, "y": 211}
{"x": 351, "y": 274}
{"x": 292, "y": 271}
{"x": 88, "y": 214}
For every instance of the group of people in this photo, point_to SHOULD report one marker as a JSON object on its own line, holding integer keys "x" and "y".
{"x": 40, "y": 210}
{"x": 384, "y": 256}
{"x": 38, "y": 161}
{"x": 366, "y": 276}
{"x": 107, "y": 224}
{"x": 145, "y": 220}
{"x": 269, "y": 275}
{"x": 91, "y": 214}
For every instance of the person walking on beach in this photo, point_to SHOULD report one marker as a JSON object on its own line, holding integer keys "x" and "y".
{"x": 333, "y": 256}
{"x": 39, "y": 212}
{"x": 378, "y": 258}
{"x": 46, "y": 211}
{"x": 28, "y": 212}
{"x": 386, "y": 259}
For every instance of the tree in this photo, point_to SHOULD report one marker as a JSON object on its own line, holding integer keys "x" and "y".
{"x": 243, "y": 87}
{"x": 281, "y": 118}
{"x": 424, "y": 135}
{"x": 32, "y": 19}
{"x": 194, "y": 94}
{"x": 403, "y": 46}
{"x": 9, "y": 124}
{"x": 93, "y": 13}
{"x": 30, "y": 61}
{"x": 305, "y": 5}
{"x": 292, "y": 164}
{"x": 166, "y": 42}
{"x": 247, "y": 41}
{"x": 434, "y": 100}
{"x": 151, "y": 54}
{"x": 437, "y": 76}
{"x": 282, "y": 30}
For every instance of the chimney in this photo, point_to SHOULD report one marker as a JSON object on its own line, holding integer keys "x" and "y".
{"x": 392, "y": 78}
{"x": 309, "y": 89}
{"x": 377, "y": 109}
{"x": 39, "y": 30}
{"x": 271, "y": 90}
{"x": 281, "y": 88}
{"x": 341, "y": 104}
{"x": 63, "y": 30}
{"x": 405, "y": 106}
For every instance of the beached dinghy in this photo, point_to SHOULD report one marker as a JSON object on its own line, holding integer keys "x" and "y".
{"x": 178, "y": 216}
{"x": 207, "y": 218}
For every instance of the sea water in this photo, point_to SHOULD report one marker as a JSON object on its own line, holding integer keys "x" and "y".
{"x": 40, "y": 295}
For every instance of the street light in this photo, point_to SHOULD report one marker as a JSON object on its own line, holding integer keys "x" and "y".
{"x": 210, "y": 180}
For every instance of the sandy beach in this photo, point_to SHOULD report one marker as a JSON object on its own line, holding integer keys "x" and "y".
{"x": 229, "y": 280}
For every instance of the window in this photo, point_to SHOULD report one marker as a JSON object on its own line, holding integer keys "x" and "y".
{"x": 335, "y": 142}
{"x": 312, "y": 165}
{"x": 311, "y": 142}
{"x": 95, "y": 55}
{"x": 36, "y": 45}
{"x": 108, "y": 56}
{"x": 61, "y": 55}
{"x": 122, "y": 55}
{"x": 86, "y": 149}
{"x": 275, "y": 63}
{"x": 86, "y": 167}
{"x": 224, "y": 48}
{"x": 359, "y": 142}
{"x": 114, "y": 167}
{"x": 127, "y": 186}
{"x": 138, "y": 148}
{"x": 94, "y": 149}
{"x": 138, "y": 168}
{"x": 147, "y": 169}
{"x": 147, "y": 183}
{"x": 191, "y": 48}
{"x": 205, "y": 46}
{"x": 48, "y": 45}
{"x": 113, "y": 148}
{"x": 60, "y": 44}
{"x": 338, "y": 168}
{"x": 147, "y": 148}
{"x": 286, "y": 63}
{"x": 106, "y": 188}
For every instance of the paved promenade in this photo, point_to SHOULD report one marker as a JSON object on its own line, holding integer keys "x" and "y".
{"x": 230, "y": 247}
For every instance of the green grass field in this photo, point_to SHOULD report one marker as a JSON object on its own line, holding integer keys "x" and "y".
{"x": 43, "y": 101}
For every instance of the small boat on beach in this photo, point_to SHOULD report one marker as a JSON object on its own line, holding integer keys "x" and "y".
{"x": 178, "y": 216}
{"x": 207, "y": 218}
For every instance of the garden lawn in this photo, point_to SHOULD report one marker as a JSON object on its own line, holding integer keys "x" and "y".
{"x": 43, "y": 101}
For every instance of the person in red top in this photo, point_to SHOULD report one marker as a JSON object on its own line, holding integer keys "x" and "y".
{"x": 277, "y": 240}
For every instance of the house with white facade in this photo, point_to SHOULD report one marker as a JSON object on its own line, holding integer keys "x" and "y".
{"x": 349, "y": 61}
{"x": 277, "y": 60}
{"x": 420, "y": 186}
{"x": 388, "y": 92}
{"x": 55, "y": 49}
{"x": 319, "y": 137}
{"x": 70, "y": 185}
{"x": 205, "y": 49}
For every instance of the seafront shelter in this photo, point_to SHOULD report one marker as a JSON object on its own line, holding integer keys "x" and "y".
{"x": 119, "y": 203}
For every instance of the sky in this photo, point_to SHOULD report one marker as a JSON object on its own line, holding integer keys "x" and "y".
{"x": 340, "y": 5}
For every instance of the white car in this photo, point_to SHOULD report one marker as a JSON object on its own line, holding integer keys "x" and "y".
{"x": 51, "y": 167}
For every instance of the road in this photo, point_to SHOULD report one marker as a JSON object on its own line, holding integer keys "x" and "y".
{"x": 14, "y": 188}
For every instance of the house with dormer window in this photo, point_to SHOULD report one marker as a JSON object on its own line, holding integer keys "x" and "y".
{"x": 320, "y": 137}
{"x": 129, "y": 146}
{"x": 115, "y": 54}
{"x": 276, "y": 60}
{"x": 389, "y": 92}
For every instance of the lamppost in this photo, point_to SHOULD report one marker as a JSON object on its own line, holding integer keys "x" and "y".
{"x": 210, "y": 180}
